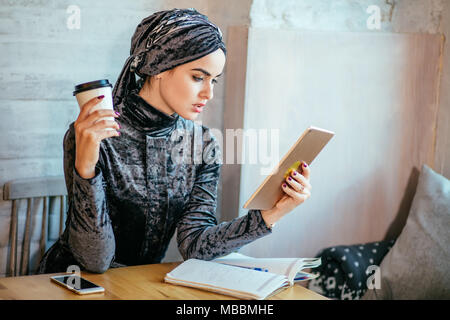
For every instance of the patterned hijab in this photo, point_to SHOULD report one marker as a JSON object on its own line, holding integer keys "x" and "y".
{"x": 163, "y": 41}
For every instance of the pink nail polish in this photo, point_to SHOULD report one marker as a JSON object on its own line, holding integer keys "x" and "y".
{"x": 305, "y": 165}
{"x": 101, "y": 97}
{"x": 289, "y": 178}
{"x": 294, "y": 173}
{"x": 284, "y": 185}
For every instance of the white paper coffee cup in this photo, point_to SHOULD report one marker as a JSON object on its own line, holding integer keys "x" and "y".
{"x": 86, "y": 91}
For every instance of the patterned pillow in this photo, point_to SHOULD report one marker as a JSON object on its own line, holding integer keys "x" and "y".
{"x": 345, "y": 269}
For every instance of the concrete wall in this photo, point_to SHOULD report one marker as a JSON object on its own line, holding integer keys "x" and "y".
{"x": 418, "y": 16}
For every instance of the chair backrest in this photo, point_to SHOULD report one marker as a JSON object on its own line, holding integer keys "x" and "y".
{"x": 45, "y": 188}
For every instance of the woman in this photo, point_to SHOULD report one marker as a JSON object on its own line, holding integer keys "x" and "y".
{"x": 130, "y": 187}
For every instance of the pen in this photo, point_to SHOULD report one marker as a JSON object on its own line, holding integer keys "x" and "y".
{"x": 252, "y": 268}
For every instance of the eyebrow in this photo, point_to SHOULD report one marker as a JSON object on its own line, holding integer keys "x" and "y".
{"x": 205, "y": 72}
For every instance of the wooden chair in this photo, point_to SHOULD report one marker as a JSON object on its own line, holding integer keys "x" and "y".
{"x": 47, "y": 188}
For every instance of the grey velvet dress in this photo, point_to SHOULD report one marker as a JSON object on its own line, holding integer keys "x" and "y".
{"x": 159, "y": 176}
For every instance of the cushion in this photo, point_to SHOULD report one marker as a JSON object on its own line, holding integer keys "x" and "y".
{"x": 418, "y": 265}
{"x": 342, "y": 274}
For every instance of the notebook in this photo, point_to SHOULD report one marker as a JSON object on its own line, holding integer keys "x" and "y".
{"x": 241, "y": 276}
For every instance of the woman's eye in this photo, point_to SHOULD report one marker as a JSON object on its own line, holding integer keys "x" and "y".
{"x": 201, "y": 79}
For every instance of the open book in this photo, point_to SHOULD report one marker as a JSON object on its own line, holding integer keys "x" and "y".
{"x": 241, "y": 276}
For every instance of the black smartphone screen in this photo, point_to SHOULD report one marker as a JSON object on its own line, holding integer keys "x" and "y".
{"x": 84, "y": 284}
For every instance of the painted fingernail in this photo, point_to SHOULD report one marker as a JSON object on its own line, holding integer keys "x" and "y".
{"x": 117, "y": 114}
{"x": 101, "y": 97}
{"x": 294, "y": 173}
{"x": 305, "y": 165}
{"x": 289, "y": 178}
{"x": 284, "y": 185}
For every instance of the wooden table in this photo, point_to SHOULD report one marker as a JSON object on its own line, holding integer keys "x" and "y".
{"x": 145, "y": 282}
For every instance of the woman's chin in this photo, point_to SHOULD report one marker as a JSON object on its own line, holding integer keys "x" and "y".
{"x": 190, "y": 115}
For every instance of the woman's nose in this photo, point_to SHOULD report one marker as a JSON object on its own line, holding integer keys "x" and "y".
{"x": 207, "y": 92}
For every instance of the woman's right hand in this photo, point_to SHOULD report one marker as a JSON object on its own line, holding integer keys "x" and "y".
{"x": 89, "y": 133}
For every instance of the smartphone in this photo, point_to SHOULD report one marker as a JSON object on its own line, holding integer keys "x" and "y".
{"x": 77, "y": 284}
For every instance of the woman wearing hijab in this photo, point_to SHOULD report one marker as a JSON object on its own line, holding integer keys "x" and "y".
{"x": 130, "y": 187}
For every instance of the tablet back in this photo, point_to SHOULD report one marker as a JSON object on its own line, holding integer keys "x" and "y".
{"x": 306, "y": 148}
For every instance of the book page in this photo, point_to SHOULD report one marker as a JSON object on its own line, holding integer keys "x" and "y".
{"x": 302, "y": 276}
{"x": 240, "y": 282}
{"x": 288, "y": 267}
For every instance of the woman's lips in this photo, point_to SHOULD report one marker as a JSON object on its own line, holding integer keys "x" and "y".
{"x": 198, "y": 108}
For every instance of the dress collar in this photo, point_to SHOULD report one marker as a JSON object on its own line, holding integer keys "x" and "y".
{"x": 144, "y": 117}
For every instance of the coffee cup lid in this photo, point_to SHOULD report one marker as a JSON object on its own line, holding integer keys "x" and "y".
{"x": 91, "y": 85}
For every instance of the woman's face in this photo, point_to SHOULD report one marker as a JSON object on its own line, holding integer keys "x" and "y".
{"x": 187, "y": 88}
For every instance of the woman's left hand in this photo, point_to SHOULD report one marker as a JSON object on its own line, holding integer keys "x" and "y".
{"x": 297, "y": 189}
